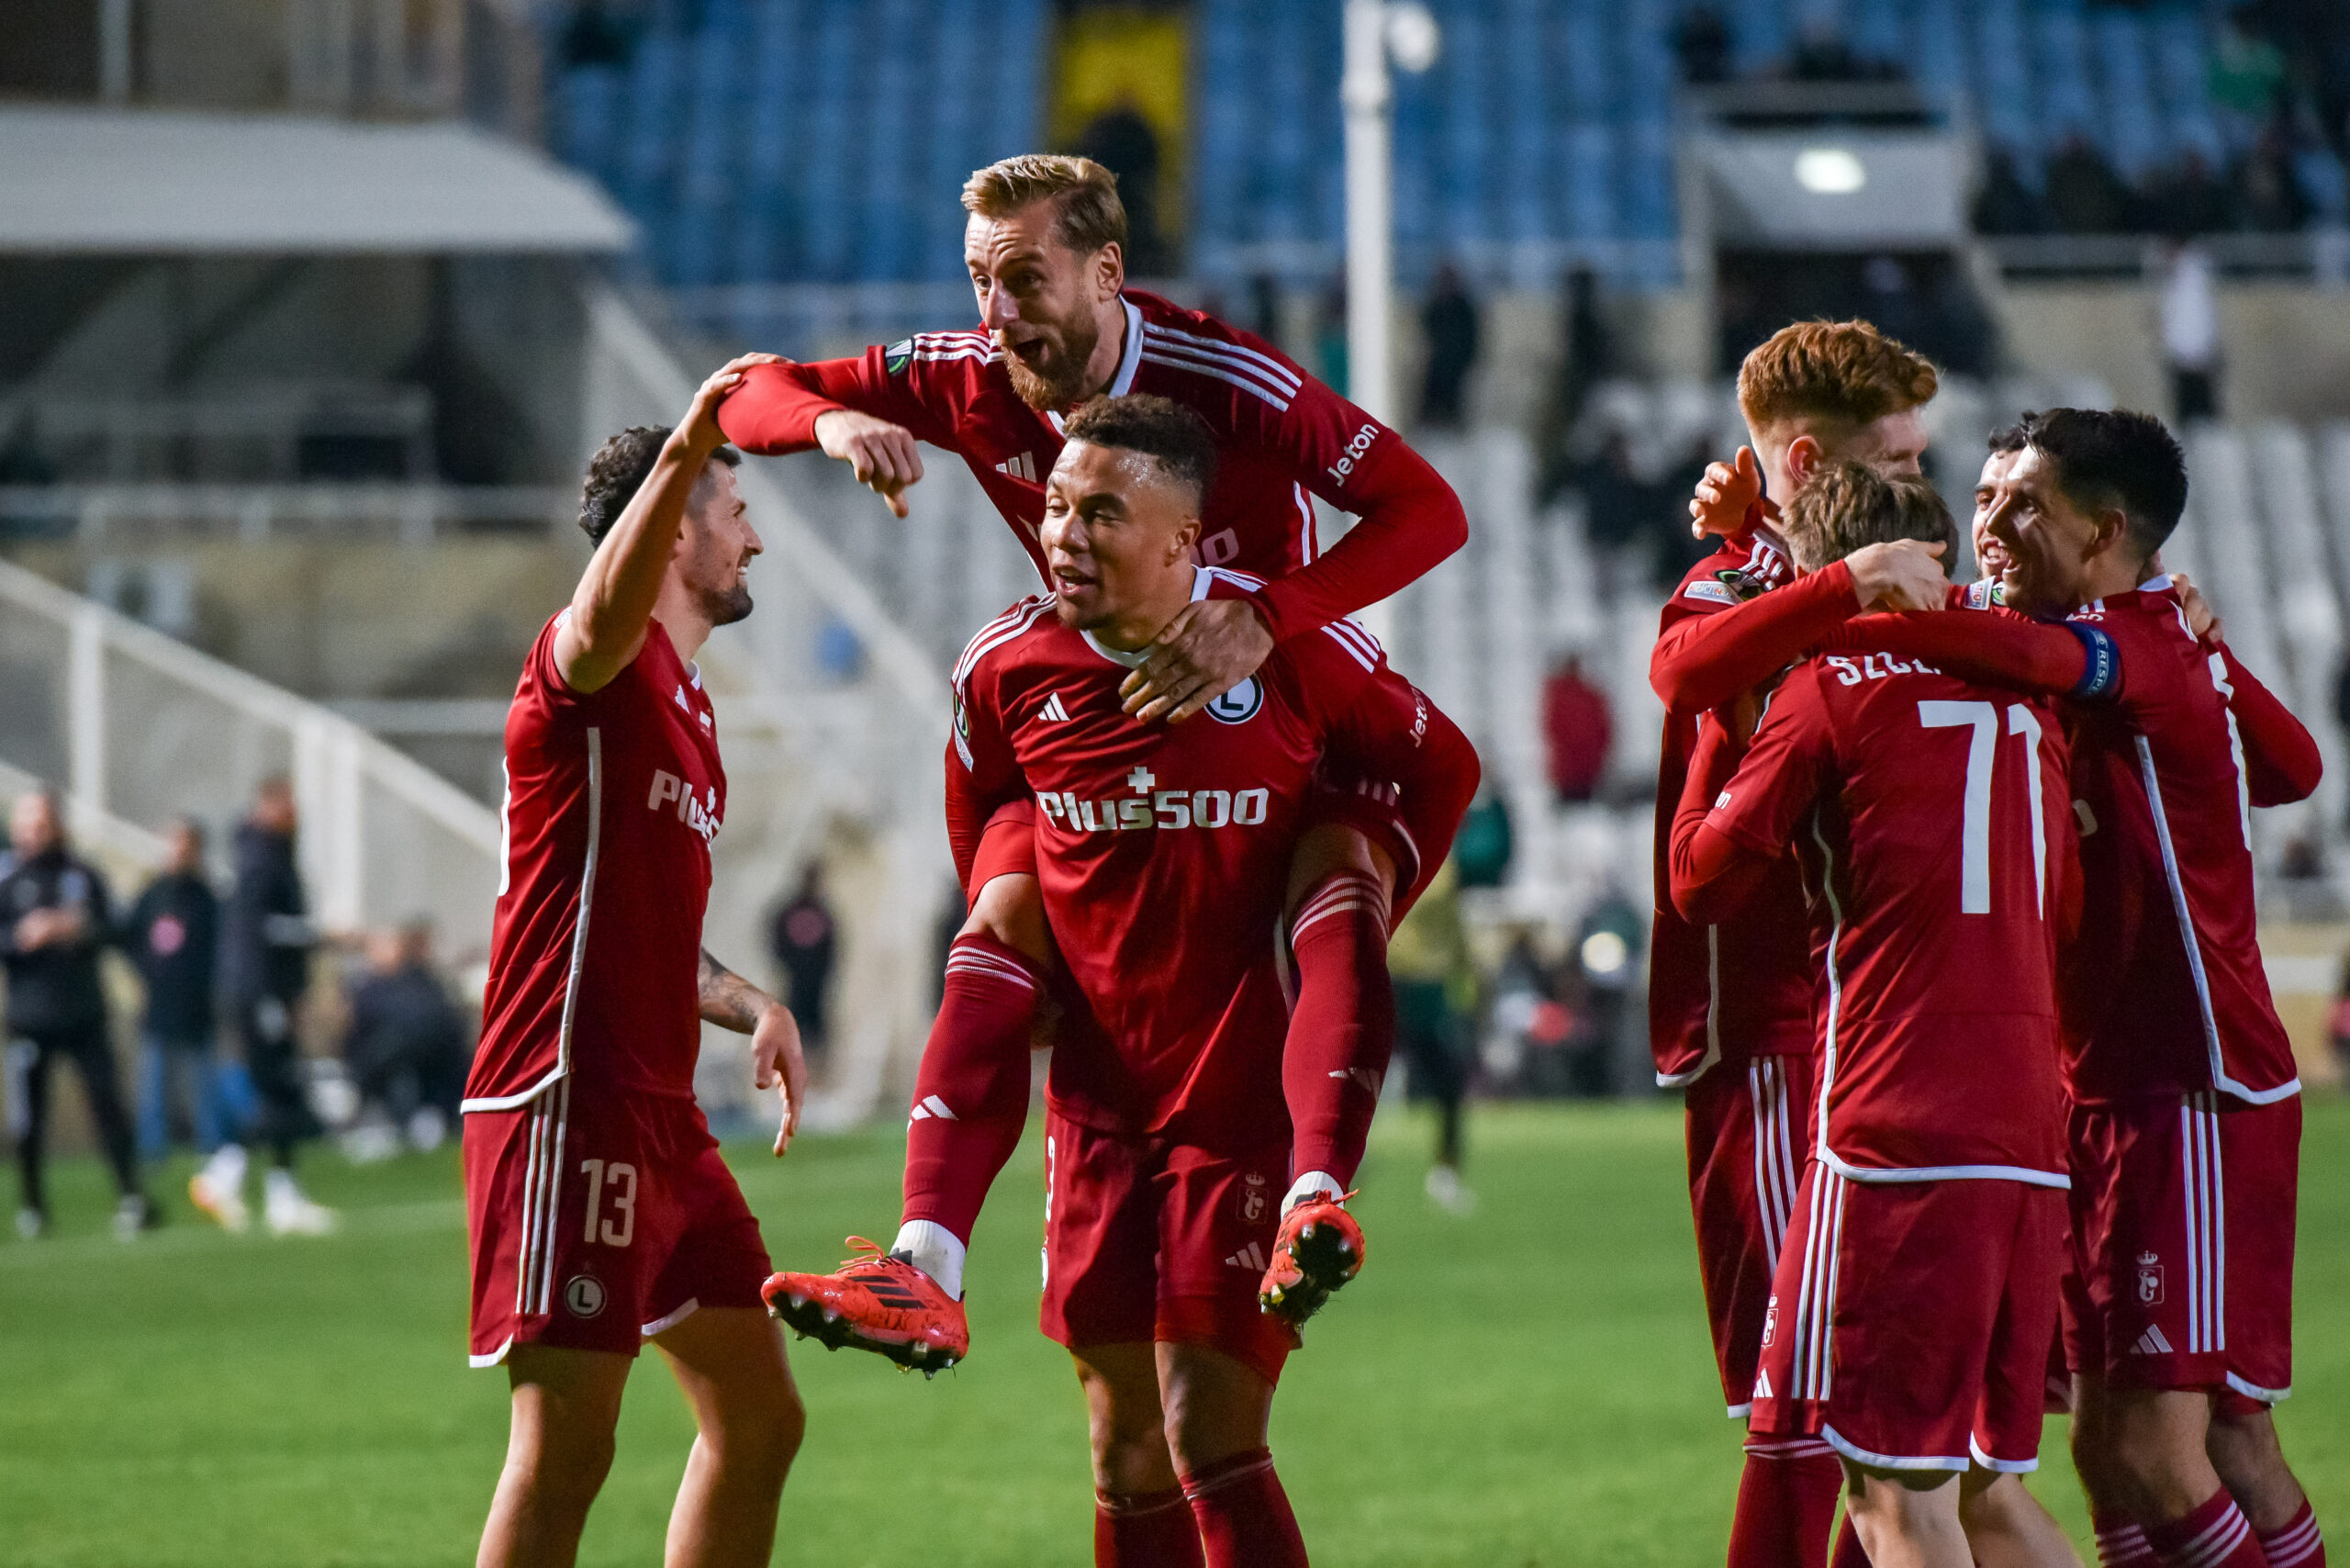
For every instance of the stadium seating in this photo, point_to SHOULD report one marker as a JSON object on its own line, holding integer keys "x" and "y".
{"x": 821, "y": 140}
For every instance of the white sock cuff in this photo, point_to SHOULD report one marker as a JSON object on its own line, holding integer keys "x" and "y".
{"x": 935, "y": 1250}
{"x": 1313, "y": 1183}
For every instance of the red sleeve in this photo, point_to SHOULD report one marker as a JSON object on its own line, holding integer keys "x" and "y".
{"x": 1703, "y": 661}
{"x": 775, "y": 408}
{"x": 1409, "y": 518}
{"x": 2065, "y": 659}
{"x": 1389, "y": 729}
{"x": 982, "y": 773}
{"x": 2280, "y": 758}
{"x": 1737, "y": 813}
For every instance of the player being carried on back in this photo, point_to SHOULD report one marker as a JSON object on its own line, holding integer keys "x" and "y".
{"x": 1930, "y": 818}
{"x": 1193, "y": 1092}
{"x": 1044, "y": 250}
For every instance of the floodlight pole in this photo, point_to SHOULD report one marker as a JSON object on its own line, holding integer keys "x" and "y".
{"x": 1365, "y": 90}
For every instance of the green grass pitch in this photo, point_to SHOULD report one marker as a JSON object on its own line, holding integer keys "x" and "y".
{"x": 1527, "y": 1387}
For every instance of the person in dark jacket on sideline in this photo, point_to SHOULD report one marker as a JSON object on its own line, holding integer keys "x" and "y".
{"x": 265, "y": 943}
{"x": 171, "y": 936}
{"x": 55, "y": 920}
{"x": 407, "y": 1048}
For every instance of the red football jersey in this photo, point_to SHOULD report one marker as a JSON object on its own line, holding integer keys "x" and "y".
{"x": 1932, "y": 819}
{"x": 1723, "y": 993}
{"x": 1280, "y": 433}
{"x": 1163, "y": 851}
{"x": 613, "y": 799}
{"x": 2165, "y": 990}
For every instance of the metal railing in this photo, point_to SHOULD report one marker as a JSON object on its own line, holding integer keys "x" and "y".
{"x": 138, "y": 728}
{"x": 255, "y": 513}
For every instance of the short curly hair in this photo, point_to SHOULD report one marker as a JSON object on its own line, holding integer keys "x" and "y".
{"x": 1844, "y": 372}
{"x": 1845, "y": 506}
{"x": 1158, "y": 427}
{"x": 616, "y": 472}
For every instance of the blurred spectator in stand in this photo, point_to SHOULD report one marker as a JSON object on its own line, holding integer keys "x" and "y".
{"x": 407, "y": 1046}
{"x": 2338, "y": 1023}
{"x": 1577, "y": 729}
{"x": 1435, "y": 994}
{"x": 2190, "y": 311}
{"x": 2268, "y": 198}
{"x": 1330, "y": 333}
{"x": 2004, "y": 205}
{"x": 1122, "y": 141}
{"x": 592, "y": 37}
{"x": 2188, "y": 199}
{"x": 2247, "y": 68}
{"x": 1481, "y": 849}
{"x": 1894, "y": 305}
{"x": 1584, "y": 360}
{"x": 1607, "y": 950}
{"x": 265, "y": 943}
{"x": 55, "y": 920}
{"x": 2085, "y": 195}
{"x": 1701, "y": 42}
{"x": 172, "y": 939}
{"x": 1821, "y": 54}
{"x": 803, "y": 939}
{"x": 1265, "y": 307}
{"x": 1449, "y": 319}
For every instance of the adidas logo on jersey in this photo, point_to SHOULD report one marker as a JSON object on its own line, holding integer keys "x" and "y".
{"x": 1021, "y": 466}
{"x": 1052, "y": 712}
{"x": 931, "y": 1106}
{"x": 1762, "y": 1385}
{"x": 1251, "y": 1258}
{"x": 2151, "y": 1342}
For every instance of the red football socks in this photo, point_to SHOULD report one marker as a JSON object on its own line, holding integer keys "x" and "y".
{"x": 1144, "y": 1530}
{"x": 1243, "y": 1514}
{"x": 2121, "y": 1543}
{"x": 1342, "y": 1029}
{"x": 971, "y": 1091}
{"x": 1786, "y": 1504}
{"x": 2215, "y": 1535}
{"x": 2295, "y": 1544}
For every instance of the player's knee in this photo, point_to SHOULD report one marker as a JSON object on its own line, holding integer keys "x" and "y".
{"x": 764, "y": 1436}
{"x": 1011, "y": 909}
{"x": 1330, "y": 849}
{"x": 560, "y": 1469}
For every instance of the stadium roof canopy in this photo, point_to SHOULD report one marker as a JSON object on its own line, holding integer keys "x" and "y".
{"x": 83, "y": 182}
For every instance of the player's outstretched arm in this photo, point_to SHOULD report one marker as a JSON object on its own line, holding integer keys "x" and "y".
{"x": 2070, "y": 658}
{"x": 2281, "y": 764}
{"x": 842, "y": 406}
{"x": 732, "y": 1003}
{"x": 612, "y": 607}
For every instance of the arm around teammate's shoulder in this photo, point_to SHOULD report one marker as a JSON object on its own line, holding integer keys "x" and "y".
{"x": 612, "y": 607}
{"x": 2281, "y": 763}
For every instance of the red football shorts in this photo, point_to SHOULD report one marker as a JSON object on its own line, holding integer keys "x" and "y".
{"x": 1008, "y": 845}
{"x": 1747, "y": 1130}
{"x": 1910, "y": 1321}
{"x": 598, "y": 1219}
{"x": 1149, "y": 1241}
{"x": 2182, "y": 1270}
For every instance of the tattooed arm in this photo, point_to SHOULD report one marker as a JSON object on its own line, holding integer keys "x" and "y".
{"x": 732, "y": 1003}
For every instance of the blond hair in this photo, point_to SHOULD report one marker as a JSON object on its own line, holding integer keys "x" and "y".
{"x": 1845, "y": 506}
{"x": 1087, "y": 213}
{"x": 1842, "y": 372}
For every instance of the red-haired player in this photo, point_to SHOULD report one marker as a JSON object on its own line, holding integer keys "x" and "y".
{"x": 1195, "y": 1092}
{"x": 1044, "y": 250}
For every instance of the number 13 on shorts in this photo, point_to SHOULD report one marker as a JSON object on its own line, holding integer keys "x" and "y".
{"x": 612, "y": 1199}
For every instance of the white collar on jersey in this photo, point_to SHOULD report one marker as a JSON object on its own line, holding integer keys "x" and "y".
{"x": 2155, "y": 585}
{"x": 1200, "y": 581}
{"x": 1129, "y": 362}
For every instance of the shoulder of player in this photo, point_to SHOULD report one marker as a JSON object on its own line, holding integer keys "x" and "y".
{"x": 942, "y": 364}
{"x": 1000, "y": 642}
{"x": 1334, "y": 657}
{"x": 1744, "y": 565}
{"x": 1194, "y": 346}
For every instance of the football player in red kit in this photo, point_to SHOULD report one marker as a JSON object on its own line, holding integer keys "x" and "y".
{"x": 601, "y": 1215}
{"x": 2185, "y": 1131}
{"x": 1043, "y": 247}
{"x": 1197, "y": 1091}
{"x": 1916, "y": 1295}
{"x": 1729, "y": 1006}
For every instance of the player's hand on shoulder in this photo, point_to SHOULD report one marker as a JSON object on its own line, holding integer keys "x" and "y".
{"x": 701, "y": 427}
{"x": 1726, "y": 495}
{"x": 884, "y": 456}
{"x": 1902, "y": 573}
{"x": 2201, "y": 619}
{"x": 1209, "y": 648}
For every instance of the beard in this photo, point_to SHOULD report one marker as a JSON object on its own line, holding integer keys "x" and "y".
{"x": 1064, "y": 381}
{"x": 726, "y": 606}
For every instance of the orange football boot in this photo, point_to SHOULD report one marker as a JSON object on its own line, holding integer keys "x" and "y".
{"x": 1319, "y": 1249}
{"x": 877, "y": 1301}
